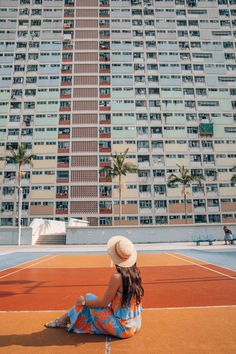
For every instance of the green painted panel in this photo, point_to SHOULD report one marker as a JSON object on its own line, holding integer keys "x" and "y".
{"x": 48, "y": 95}
{"x": 45, "y": 135}
{"x": 122, "y": 94}
{"x": 123, "y": 120}
{"x": 174, "y": 134}
{"x": 47, "y": 108}
{"x": 171, "y": 94}
{"x": 43, "y": 122}
{"x": 225, "y": 106}
{"x": 2, "y": 136}
{"x": 217, "y": 94}
{"x": 223, "y": 120}
{"x": 4, "y": 109}
{"x": 171, "y": 107}
{"x": 5, "y": 95}
{"x": 176, "y": 120}
{"x": 122, "y": 106}
{"x": 124, "y": 134}
{"x": 3, "y": 122}
{"x": 219, "y": 131}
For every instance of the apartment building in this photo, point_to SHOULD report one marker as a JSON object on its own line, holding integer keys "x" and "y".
{"x": 81, "y": 79}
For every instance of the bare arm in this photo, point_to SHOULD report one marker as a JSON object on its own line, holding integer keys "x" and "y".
{"x": 114, "y": 284}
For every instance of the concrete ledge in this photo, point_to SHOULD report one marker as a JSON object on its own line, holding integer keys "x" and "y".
{"x": 9, "y": 235}
{"x": 145, "y": 234}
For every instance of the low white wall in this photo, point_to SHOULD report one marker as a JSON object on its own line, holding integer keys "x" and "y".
{"x": 100, "y": 235}
{"x": 53, "y": 227}
{"x": 9, "y": 235}
{"x": 46, "y": 227}
{"x": 145, "y": 234}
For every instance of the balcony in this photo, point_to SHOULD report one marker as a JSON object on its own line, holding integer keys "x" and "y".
{"x": 105, "y": 135}
{"x": 63, "y": 150}
{"x": 105, "y": 179}
{"x": 104, "y": 149}
{"x": 105, "y": 211}
{"x": 61, "y": 211}
{"x": 105, "y": 195}
{"x": 63, "y": 136}
{"x": 62, "y": 165}
{"x": 64, "y": 122}
{"x": 206, "y": 129}
{"x": 61, "y": 195}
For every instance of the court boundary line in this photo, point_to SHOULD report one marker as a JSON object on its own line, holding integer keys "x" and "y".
{"x": 202, "y": 266}
{"x": 19, "y": 264}
{"x": 203, "y": 260}
{"x": 144, "y": 309}
{"x": 31, "y": 265}
{"x": 108, "y": 345}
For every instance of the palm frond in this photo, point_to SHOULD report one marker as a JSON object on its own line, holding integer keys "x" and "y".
{"x": 173, "y": 179}
{"x": 233, "y": 179}
{"x": 19, "y": 156}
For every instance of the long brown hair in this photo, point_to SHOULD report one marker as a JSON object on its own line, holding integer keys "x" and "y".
{"x": 132, "y": 284}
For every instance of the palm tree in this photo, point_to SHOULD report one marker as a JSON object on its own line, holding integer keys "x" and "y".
{"x": 233, "y": 178}
{"x": 119, "y": 168}
{"x": 185, "y": 179}
{"x": 20, "y": 158}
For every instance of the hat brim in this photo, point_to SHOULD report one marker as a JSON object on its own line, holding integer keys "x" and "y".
{"x": 115, "y": 258}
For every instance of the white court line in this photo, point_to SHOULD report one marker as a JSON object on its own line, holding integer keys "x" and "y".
{"x": 187, "y": 307}
{"x": 31, "y": 265}
{"x": 108, "y": 345}
{"x": 202, "y": 266}
{"x": 145, "y": 309}
{"x": 19, "y": 264}
{"x": 199, "y": 258}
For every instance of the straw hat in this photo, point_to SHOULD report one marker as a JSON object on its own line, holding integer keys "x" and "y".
{"x": 122, "y": 251}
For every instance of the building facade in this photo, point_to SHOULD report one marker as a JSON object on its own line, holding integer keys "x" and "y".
{"x": 81, "y": 79}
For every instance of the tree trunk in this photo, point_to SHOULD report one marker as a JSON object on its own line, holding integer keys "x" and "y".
{"x": 119, "y": 199}
{"x": 19, "y": 206}
{"x": 185, "y": 207}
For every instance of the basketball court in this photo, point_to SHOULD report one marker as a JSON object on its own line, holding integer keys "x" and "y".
{"x": 189, "y": 303}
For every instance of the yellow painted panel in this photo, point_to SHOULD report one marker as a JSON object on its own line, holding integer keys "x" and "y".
{"x": 225, "y": 147}
{"x": 35, "y": 179}
{"x": 45, "y": 149}
{"x": 224, "y": 176}
{"x": 123, "y": 147}
{"x": 173, "y": 162}
{"x": 225, "y": 162}
{"x": 230, "y": 191}
{"x": 127, "y": 193}
{"x": 174, "y": 192}
{"x": 42, "y": 194}
{"x": 45, "y": 164}
{"x": 175, "y": 148}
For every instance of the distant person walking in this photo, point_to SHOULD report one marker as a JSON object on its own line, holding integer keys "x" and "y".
{"x": 118, "y": 312}
{"x": 228, "y": 235}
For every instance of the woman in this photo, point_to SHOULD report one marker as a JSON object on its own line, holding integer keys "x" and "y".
{"x": 228, "y": 235}
{"x": 118, "y": 313}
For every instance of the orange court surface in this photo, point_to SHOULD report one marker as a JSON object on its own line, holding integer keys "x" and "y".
{"x": 189, "y": 303}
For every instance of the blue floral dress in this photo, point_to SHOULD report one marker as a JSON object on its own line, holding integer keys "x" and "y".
{"x": 115, "y": 320}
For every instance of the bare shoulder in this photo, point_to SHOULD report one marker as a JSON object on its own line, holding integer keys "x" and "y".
{"x": 116, "y": 277}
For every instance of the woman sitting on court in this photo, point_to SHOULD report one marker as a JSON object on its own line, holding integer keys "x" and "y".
{"x": 118, "y": 313}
